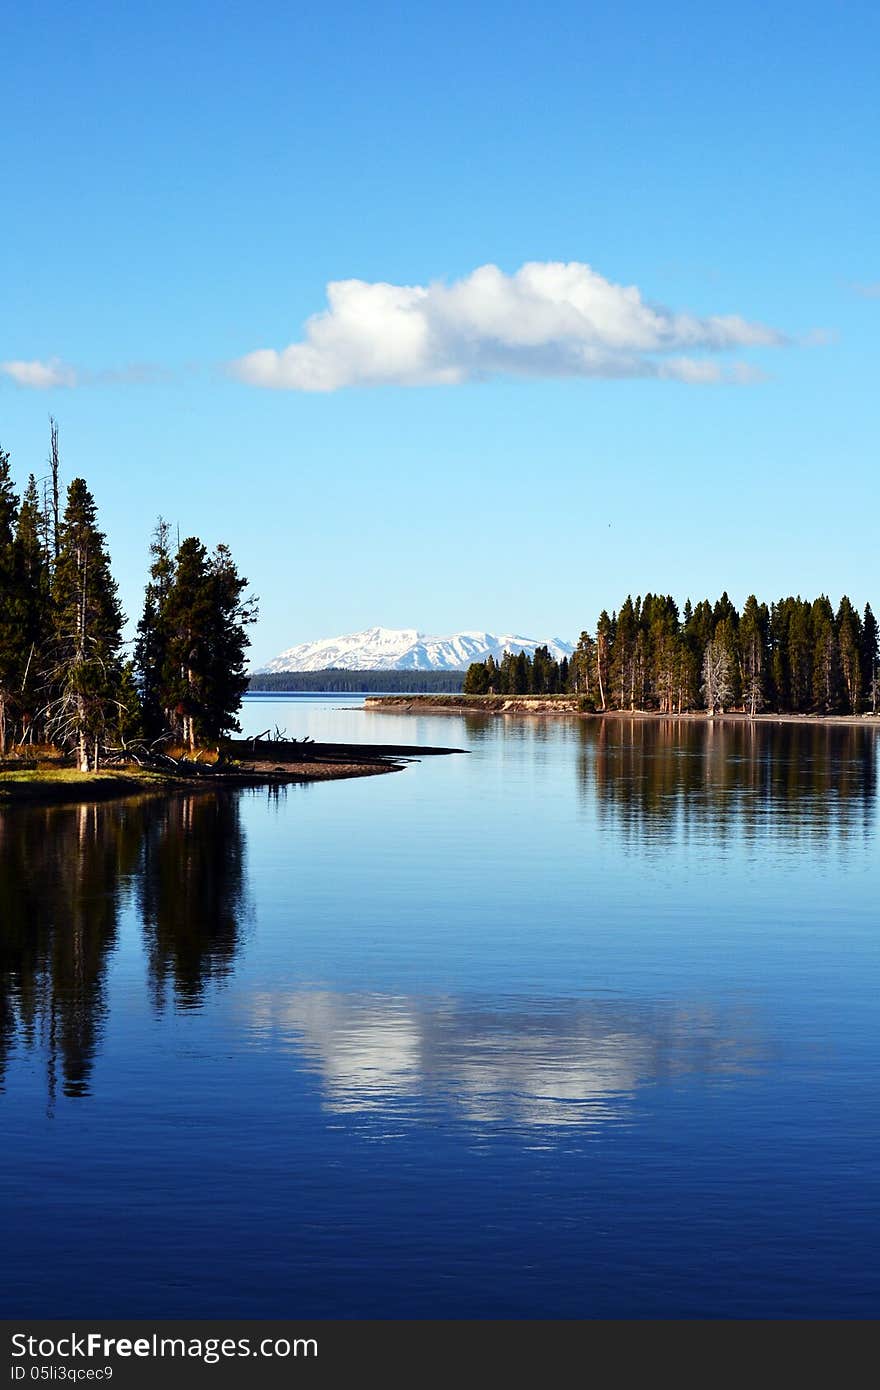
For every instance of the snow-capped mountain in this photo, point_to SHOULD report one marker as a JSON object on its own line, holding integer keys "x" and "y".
{"x": 405, "y": 649}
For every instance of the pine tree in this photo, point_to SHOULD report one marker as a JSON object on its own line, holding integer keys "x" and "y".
{"x": 825, "y": 656}
{"x": 640, "y": 669}
{"x": 665, "y": 652}
{"x": 152, "y": 634}
{"x": 10, "y": 601}
{"x": 604, "y": 642}
{"x": 801, "y": 647}
{"x": 187, "y": 617}
{"x": 87, "y": 633}
{"x": 33, "y": 580}
{"x": 506, "y": 680}
{"x": 754, "y": 654}
{"x": 581, "y": 666}
{"x": 521, "y": 674}
{"x": 623, "y": 655}
{"x": 849, "y": 643}
{"x": 870, "y": 657}
{"x": 688, "y": 663}
{"x": 724, "y": 609}
{"x": 205, "y": 619}
{"x": 698, "y": 631}
{"x": 232, "y": 614}
{"x": 129, "y": 724}
{"x": 476, "y": 681}
{"x": 539, "y": 682}
{"x": 779, "y": 674}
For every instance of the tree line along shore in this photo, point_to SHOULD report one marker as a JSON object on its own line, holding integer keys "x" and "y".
{"x": 791, "y": 657}
{"x": 67, "y": 685}
{"x": 83, "y": 715}
{"x": 546, "y": 705}
{"x": 338, "y": 680}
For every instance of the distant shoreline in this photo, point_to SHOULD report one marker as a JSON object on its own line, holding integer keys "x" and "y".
{"x": 340, "y": 681}
{"x": 563, "y": 706}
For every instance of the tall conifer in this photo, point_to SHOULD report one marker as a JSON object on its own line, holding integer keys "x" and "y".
{"x": 33, "y": 583}
{"x": 205, "y": 619}
{"x": 870, "y": 658}
{"x": 849, "y": 642}
{"x": 10, "y": 601}
{"x": 87, "y": 633}
{"x": 151, "y": 645}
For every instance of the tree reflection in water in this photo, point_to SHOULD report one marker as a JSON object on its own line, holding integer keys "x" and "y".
{"x": 66, "y": 873}
{"x": 62, "y": 873}
{"x": 660, "y": 780}
{"x": 192, "y": 892}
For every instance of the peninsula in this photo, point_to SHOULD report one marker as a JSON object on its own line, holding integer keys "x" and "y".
{"x": 51, "y": 777}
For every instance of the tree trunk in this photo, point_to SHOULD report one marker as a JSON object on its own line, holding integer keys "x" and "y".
{"x": 82, "y": 756}
{"x": 189, "y": 723}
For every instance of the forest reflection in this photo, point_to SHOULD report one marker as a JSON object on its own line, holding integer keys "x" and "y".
{"x": 192, "y": 893}
{"x": 70, "y": 875}
{"x": 66, "y": 875}
{"x": 657, "y": 780}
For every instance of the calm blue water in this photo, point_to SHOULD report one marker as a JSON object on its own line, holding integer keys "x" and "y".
{"x": 583, "y": 1023}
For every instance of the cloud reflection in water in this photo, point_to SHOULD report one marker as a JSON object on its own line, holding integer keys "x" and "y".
{"x": 551, "y": 1064}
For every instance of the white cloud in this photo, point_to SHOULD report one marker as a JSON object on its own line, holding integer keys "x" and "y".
{"x": 549, "y": 319}
{"x": 40, "y": 376}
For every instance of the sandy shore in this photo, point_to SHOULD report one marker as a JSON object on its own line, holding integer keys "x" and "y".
{"x": 313, "y": 771}
{"x": 548, "y": 706}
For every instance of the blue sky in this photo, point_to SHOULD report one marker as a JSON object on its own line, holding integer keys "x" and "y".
{"x": 182, "y": 182}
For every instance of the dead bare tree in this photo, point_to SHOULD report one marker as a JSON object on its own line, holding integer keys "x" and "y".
{"x": 55, "y": 470}
{"x": 717, "y": 684}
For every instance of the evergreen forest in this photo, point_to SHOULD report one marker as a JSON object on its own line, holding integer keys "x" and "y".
{"x": 66, "y": 676}
{"x": 793, "y": 656}
{"x": 354, "y": 682}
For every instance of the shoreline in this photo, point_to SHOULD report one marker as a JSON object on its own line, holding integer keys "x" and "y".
{"x": 253, "y": 763}
{"x": 567, "y": 707}
{"x": 21, "y": 789}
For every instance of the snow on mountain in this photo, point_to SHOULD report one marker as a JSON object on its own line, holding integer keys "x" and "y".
{"x": 405, "y": 649}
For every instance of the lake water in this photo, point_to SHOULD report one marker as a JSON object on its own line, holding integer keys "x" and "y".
{"x": 582, "y": 1023}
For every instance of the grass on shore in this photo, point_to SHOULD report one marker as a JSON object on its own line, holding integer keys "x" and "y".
{"x": 53, "y": 783}
{"x": 70, "y": 776}
{"x": 50, "y": 780}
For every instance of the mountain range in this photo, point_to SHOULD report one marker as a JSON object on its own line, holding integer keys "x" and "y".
{"x": 406, "y": 649}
